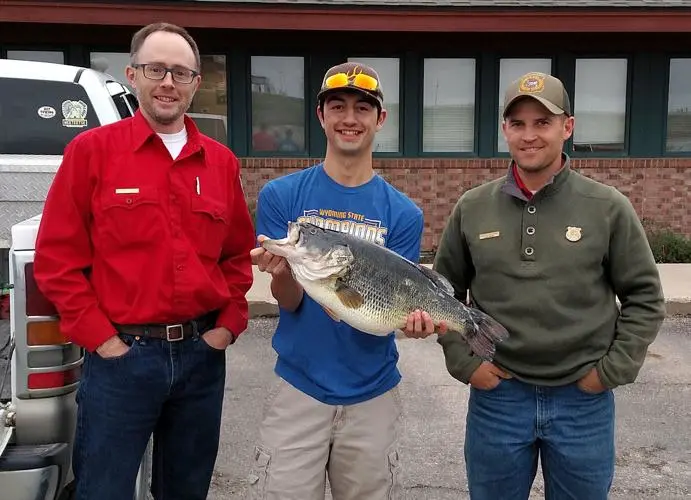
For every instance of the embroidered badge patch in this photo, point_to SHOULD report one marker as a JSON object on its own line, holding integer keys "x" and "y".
{"x": 532, "y": 83}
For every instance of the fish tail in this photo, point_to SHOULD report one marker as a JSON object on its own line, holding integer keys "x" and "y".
{"x": 483, "y": 333}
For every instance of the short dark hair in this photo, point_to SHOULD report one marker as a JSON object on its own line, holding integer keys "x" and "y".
{"x": 141, "y": 35}
{"x": 370, "y": 100}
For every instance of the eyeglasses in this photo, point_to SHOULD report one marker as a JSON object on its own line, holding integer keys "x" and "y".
{"x": 159, "y": 71}
{"x": 359, "y": 80}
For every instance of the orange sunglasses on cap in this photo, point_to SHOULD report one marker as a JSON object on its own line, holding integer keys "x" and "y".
{"x": 359, "y": 80}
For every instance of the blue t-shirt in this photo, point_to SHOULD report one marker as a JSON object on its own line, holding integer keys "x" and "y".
{"x": 329, "y": 360}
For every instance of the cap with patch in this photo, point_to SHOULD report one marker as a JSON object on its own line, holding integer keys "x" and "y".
{"x": 544, "y": 88}
{"x": 352, "y": 76}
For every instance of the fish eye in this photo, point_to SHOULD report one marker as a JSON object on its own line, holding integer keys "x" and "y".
{"x": 313, "y": 231}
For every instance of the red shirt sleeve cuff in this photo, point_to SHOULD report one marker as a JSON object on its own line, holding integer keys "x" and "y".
{"x": 233, "y": 319}
{"x": 94, "y": 329}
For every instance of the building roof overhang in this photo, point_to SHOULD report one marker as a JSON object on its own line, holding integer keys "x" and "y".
{"x": 313, "y": 16}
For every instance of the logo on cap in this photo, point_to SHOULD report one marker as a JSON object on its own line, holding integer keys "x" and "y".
{"x": 531, "y": 84}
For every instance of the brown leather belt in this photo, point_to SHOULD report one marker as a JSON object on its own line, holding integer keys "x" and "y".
{"x": 171, "y": 333}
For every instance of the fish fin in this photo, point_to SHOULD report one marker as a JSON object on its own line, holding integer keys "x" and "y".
{"x": 350, "y": 297}
{"x": 331, "y": 314}
{"x": 483, "y": 333}
{"x": 437, "y": 279}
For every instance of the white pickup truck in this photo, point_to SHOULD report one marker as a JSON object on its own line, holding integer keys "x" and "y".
{"x": 42, "y": 107}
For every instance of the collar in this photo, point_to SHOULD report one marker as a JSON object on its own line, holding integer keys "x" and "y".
{"x": 513, "y": 185}
{"x": 142, "y": 133}
{"x": 519, "y": 182}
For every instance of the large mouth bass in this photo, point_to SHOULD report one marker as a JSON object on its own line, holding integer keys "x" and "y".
{"x": 373, "y": 289}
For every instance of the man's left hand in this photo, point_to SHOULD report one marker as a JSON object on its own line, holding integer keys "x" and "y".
{"x": 591, "y": 382}
{"x": 420, "y": 325}
{"x": 218, "y": 338}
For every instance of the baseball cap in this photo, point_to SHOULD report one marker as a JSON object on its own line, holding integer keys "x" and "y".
{"x": 352, "y": 76}
{"x": 544, "y": 88}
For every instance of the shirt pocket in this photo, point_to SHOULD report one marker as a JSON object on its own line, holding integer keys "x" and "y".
{"x": 209, "y": 226}
{"x": 129, "y": 219}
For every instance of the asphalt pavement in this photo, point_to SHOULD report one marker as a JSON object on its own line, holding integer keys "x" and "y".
{"x": 653, "y": 419}
{"x": 653, "y": 422}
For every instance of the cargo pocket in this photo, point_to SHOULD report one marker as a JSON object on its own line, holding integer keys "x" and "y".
{"x": 395, "y": 490}
{"x": 271, "y": 396}
{"x": 259, "y": 474}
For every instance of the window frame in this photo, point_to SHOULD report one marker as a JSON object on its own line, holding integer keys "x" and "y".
{"x": 420, "y": 94}
{"x": 250, "y": 153}
{"x": 668, "y": 56}
{"x": 571, "y": 89}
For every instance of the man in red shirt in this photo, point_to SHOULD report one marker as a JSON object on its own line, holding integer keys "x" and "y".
{"x": 144, "y": 250}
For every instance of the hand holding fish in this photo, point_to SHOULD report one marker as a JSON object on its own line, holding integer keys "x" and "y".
{"x": 420, "y": 325}
{"x": 268, "y": 262}
{"x": 287, "y": 292}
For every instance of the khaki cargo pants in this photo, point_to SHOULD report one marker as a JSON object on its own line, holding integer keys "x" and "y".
{"x": 301, "y": 440}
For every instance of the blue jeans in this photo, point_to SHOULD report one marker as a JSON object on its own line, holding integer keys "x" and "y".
{"x": 171, "y": 389}
{"x": 510, "y": 426}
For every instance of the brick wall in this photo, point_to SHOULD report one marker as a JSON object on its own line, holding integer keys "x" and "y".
{"x": 660, "y": 189}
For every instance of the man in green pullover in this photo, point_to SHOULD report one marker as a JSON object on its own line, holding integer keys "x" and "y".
{"x": 546, "y": 251}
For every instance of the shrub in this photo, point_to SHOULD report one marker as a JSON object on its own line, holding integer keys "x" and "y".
{"x": 668, "y": 247}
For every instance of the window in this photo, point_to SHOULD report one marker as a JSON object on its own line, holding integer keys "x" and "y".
{"x": 51, "y": 56}
{"x": 448, "y": 116}
{"x": 209, "y": 107}
{"x": 510, "y": 70}
{"x": 278, "y": 104}
{"x": 112, "y": 63}
{"x": 679, "y": 106}
{"x": 45, "y": 116}
{"x": 600, "y": 105}
{"x": 388, "y": 69}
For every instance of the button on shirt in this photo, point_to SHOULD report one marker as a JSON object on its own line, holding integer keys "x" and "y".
{"x": 129, "y": 235}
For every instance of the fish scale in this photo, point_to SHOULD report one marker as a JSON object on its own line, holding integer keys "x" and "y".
{"x": 392, "y": 288}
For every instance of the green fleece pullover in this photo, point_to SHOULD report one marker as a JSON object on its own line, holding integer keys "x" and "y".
{"x": 550, "y": 269}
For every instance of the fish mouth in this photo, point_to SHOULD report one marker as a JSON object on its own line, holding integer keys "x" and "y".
{"x": 310, "y": 254}
{"x": 285, "y": 247}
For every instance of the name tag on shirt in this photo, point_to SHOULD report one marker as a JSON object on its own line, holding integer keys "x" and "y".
{"x": 493, "y": 234}
{"x": 127, "y": 191}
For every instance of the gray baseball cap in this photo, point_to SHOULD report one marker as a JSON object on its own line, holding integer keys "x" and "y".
{"x": 546, "y": 89}
{"x": 352, "y": 76}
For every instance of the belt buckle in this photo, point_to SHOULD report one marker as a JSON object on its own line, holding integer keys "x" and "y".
{"x": 171, "y": 335}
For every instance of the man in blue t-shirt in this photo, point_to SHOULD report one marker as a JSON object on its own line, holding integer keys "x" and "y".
{"x": 335, "y": 408}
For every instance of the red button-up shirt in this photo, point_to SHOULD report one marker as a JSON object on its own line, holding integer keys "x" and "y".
{"x": 129, "y": 235}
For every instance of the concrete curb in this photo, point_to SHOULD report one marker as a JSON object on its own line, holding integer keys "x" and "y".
{"x": 676, "y": 285}
{"x": 678, "y": 307}
{"x": 264, "y": 309}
